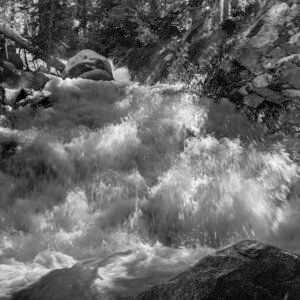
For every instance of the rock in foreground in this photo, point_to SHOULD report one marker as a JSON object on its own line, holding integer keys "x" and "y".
{"x": 246, "y": 270}
{"x": 88, "y": 64}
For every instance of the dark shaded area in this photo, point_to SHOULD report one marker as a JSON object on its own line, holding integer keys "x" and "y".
{"x": 247, "y": 270}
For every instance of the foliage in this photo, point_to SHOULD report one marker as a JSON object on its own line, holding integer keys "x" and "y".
{"x": 110, "y": 27}
{"x": 49, "y": 23}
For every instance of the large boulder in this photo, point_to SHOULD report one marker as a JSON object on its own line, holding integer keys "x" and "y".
{"x": 246, "y": 270}
{"x": 88, "y": 64}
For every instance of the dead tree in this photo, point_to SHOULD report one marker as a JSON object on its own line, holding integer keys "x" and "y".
{"x": 24, "y": 43}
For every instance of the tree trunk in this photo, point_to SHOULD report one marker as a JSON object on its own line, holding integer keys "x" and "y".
{"x": 50, "y": 32}
{"x": 11, "y": 34}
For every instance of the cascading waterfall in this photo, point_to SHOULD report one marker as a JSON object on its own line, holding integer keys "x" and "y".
{"x": 153, "y": 173}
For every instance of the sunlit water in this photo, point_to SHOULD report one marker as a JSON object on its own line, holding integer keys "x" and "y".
{"x": 152, "y": 172}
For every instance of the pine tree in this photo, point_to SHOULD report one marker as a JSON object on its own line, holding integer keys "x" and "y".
{"x": 50, "y": 22}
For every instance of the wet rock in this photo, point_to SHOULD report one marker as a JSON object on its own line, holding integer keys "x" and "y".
{"x": 23, "y": 94}
{"x": 253, "y": 100}
{"x": 249, "y": 58}
{"x": 96, "y": 74}
{"x": 276, "y": 15}
{"x": 9, "y": 75}
{"x": 292, "y": 46}
{"x": 243, "y": 91}
{"x": 12, "y": 78}
{"x": 294, "y": 58}
{"x": 229, "y": 26}
{"x": 269, "y": 64}
{"x": 245, "y": 75}
{"x": 270, "y": 95}
{"x": 246, "y": 270}
{"x": 2, "y": 96}
{"x": 69, "y": 283}
{"x": 291, "y": 93}
{"x": 35, "y": 100}
{"x": 86, "y": 61}
{"x": 267, "y": 45}
{"x": 261, "y": 81}
{"x": 267, "y": 35}
{"x": 63, "y": 284}
{"x": 10, "y": 96}
{"x": 277, "y": 53}
{"x": 34, "y": 80}
{"x": 14, "y": 99}
{"x": 12, "y": 57}
{"x": 291, "y": 75}
{"x": 8, "y": 147}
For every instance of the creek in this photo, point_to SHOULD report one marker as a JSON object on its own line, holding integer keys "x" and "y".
{"x": 153, "y": 177}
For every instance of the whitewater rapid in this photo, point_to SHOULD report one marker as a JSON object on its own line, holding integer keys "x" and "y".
{"x": 154, "y": 176}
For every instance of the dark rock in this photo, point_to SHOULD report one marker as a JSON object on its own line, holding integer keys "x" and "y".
{"x": 292, "y": 93}
{"x": 86, "y": 61}
{"x": 261, "y": 81}
{"x": 96, "y": 74}
{"x": 266, "y": 35}
{"x": 270, "y": 95}
{"x": 13, "y": 97}
{"x": 23, "y": 94}
{"x": 229, "y": 26}
{"x": 245, "y": 75}
{"x": 243, "y": 91}
{"x": 35, "y": 100}
{"x": 9, "y": 74}
{"x": 13, "y": 58}
{"x": 277, "y": 53}
{"x": 253, "y": 100}
{"x": 10, "y": 96}
{"x": 246, "y": 270}
{"x": 14, "y": 78}
{"x": 292, "y": 46}
{"x": 268, "y": 46}
{"x": 62, "y": 284}
{"x": 250, "y": 59}
{"x": 8, "y": 147}
{"x": 294, "y": 59}
{"x": 270, "y": 64}
{"x": 290, "y": 74}
{"x": 34, "y": 80}
{"x": 75, "y": 283}
{"x": 2, "y": 96}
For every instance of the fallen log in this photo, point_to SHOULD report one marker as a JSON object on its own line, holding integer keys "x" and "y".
{"x": 24, "y": 43}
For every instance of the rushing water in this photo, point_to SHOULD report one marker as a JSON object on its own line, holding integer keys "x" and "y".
{"x": 152, "y": 172}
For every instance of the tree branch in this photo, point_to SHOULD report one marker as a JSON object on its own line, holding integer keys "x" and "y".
{"x": 24, "y": 43}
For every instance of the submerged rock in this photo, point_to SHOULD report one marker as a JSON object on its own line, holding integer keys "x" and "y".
{"x": 246, "y": 270}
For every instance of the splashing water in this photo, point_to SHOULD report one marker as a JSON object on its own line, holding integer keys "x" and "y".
{"x": 154, "y": 171}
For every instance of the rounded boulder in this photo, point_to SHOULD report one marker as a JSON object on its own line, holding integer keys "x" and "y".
{"x": 88, "y": 64}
